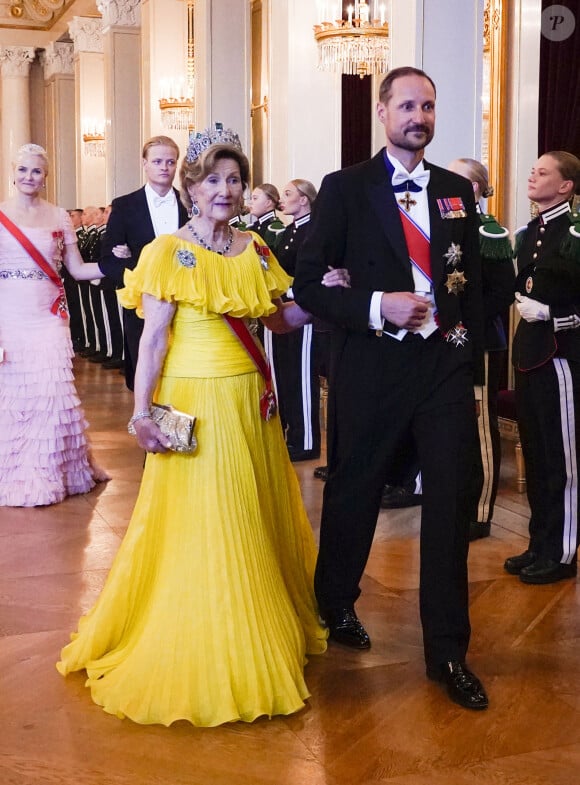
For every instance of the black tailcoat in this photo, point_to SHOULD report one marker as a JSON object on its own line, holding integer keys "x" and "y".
{"x": 130, "y": 224}
{"x": 388, "y": 397}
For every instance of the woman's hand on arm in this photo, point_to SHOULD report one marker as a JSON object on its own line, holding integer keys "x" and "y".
{"x": 290, "y": 316}
{"x": 80, "y": 271}
{"x": 152, "y": 350}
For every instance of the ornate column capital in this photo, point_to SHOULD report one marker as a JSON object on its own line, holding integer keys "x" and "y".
{"x": 125, "y": 13}
{"x": 86, "y": 33}
{"x": 57, "y": 58}
{"x": 15, "y": 60}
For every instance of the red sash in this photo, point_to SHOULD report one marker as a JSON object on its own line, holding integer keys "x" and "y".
{"x": 268, "y": 404}
{"x": 59, "y": 306}
{"x": 417, "y": 245}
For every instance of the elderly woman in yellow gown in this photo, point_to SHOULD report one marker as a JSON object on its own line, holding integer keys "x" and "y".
{"x": 208, "y": 613}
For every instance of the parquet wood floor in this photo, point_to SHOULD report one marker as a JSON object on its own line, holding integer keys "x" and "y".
{"x": 373, "y": 717}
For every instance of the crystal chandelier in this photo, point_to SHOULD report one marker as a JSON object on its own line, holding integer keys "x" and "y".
{"x": 94, "y": 139}
{"x": 358, "y": 44}
{"x": 177, "y": 103}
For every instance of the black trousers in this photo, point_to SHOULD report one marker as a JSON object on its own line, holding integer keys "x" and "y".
{"x": 487, "y": 453}
{"x": 385, "y": 396}
{"x": 548, "y": 412}
{"x": 73, "y": 298}
{"x": 132, "y": 329}
{"x": 87, "y": 312}
{"x": 298, "y": 387}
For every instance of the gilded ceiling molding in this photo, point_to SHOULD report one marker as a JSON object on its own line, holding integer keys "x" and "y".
{"x": 126, "y": 13}
{"x": 86, "y": 33}
{"x": 15, "y": 60}
{"x": 42, "y": 10}
{"x": 57, "y": 58}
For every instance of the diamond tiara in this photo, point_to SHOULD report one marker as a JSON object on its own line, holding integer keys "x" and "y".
{"x": 198, "y": 142}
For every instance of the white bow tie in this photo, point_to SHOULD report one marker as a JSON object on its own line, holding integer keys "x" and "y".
{"x": 421, "y": 180}
{"x": 160, "y": 200}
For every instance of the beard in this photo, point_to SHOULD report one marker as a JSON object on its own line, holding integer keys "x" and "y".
{"x": 406, "y": 140}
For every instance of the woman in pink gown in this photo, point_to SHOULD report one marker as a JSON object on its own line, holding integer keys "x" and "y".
{"x": 44, "y": 454}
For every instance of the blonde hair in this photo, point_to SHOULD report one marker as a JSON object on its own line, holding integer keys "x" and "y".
{"x": 33, "y": 149}
{"x": 478, "y": 174}
{"x": 155, "y": 141}
{"x": 271, "y": 192}
{"x": 305, "y": 188}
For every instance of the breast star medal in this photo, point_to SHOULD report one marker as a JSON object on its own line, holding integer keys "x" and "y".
{"x": 454, "y": 254}
{"x": 457, "y": 335}
{"x": 455, "y": 282}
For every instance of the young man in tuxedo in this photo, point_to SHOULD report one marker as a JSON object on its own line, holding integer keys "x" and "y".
{"x": 135, "y": 220}
{"x": 406, "y": 351}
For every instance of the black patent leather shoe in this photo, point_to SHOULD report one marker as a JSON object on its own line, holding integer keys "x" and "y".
{"x": 344, "y": 627}
{"x": 321, "y": 473}
{"x": 99, "y": 357}
{"x": 547, "y": 571}
{"x": 515, "y": 564}
{"x": 463, "y": 686}
{"x": 478, "y": 531}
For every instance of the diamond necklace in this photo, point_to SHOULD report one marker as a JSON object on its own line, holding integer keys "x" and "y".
{"x": 207, "y": 246}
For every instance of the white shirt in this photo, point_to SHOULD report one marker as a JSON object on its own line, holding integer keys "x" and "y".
{"x": 163, "y": 211}
{"x": 419, "y": 214}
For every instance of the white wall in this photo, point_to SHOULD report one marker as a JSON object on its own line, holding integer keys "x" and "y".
{"x": 305, "y": 102}
{"x": 452, "y": 52}
{"x": 223, "y": 84}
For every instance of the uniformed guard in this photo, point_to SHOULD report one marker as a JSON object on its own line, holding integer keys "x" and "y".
{"x": 294, "y": 362}
{"x": 546, "y": 356}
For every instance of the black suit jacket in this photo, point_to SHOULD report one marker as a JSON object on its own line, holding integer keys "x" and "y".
{"x": 356, "y": 224}
{"x": 129, "y": 223}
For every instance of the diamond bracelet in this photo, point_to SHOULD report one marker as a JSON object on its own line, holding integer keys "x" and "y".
{"x": 139, "y": 416}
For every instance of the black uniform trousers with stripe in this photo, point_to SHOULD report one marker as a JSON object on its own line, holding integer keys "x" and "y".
{"x": 297, "y": 384}
{"x": 548, "y": 408}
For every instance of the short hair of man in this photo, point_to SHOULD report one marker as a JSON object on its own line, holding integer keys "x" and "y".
{"x": 568, "y": 166}
{"x": 385, "y": 89}
{"x": 155, "y": 141}
{"x": 194, "y": 172}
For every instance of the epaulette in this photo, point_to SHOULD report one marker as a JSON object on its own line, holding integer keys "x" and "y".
{"x": 518, "y": 238}
{"x": 276, "y": 226}
{"x": 570, "y": 248}
{"x": 494, "y": 239}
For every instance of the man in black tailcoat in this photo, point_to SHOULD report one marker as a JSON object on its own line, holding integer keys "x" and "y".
{"x": 137, "y": 219}
{"x": 406, "y": 352}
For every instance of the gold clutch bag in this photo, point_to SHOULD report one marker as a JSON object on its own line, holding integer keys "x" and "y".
{"x": 177, "y": 426}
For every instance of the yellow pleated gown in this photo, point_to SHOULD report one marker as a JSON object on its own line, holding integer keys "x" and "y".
{"x": 208, "y": 611}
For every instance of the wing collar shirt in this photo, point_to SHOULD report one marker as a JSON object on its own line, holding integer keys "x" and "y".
{"x": 163, "y": 210}
{"x": 419, "y": 214}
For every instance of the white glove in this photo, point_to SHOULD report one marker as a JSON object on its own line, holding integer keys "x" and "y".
{"x": 571, "y": 322}
{"x": 532, "y": 310}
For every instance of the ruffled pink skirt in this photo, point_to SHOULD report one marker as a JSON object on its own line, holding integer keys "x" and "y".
{"x": 43, "y": 447}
